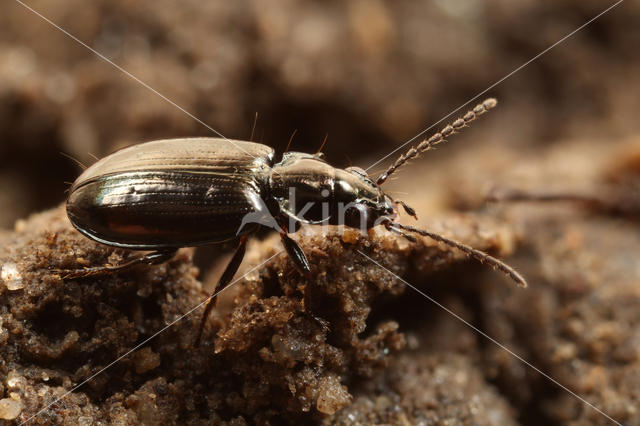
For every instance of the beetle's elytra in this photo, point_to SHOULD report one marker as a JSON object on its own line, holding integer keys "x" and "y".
{"x": 167, "y": 194}
{"x": 170, "y": 193}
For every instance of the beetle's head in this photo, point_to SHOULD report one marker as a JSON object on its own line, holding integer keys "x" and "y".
{"x": 360, "y": 201}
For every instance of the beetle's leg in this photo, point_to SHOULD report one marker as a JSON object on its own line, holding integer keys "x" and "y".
{"x": 299, "y": 258}
{"x": 155, "y": 258}
{"x": 302, "y": 265}
{"x": 296, "y": 254}
{"x": 307, "y": 309}
{"x": 223, "y": 282}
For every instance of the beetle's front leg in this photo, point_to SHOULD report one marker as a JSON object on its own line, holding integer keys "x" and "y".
{"x": 299, "y": 258}
{"x": 296, "y": 254}
{"x": 155, "y": 258}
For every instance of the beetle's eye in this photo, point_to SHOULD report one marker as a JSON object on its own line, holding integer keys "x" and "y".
{"x": 319, "y": 155}
{"x": 357, "y": 170}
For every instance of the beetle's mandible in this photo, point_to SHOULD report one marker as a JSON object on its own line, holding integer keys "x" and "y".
{"x": 167, "y": 194}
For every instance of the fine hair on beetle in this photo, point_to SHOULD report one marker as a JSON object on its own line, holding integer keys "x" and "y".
{"x": 162, "y": 195}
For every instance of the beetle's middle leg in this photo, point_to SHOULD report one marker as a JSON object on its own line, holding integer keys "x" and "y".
{"x": 299, "y": 259}
{"x": 155, "y": 258}
{"x": 223, "y": 282}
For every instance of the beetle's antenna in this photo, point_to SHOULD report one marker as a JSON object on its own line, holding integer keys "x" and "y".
{"x": 255, "y": 121}
{"x": 290, "y": 140}
{"x": 479, "y": 255}
{"x": 77, "y": 161}
{"x": 438, "y": 137}
{"x": 322, "y": 146}
{"x": 97, "y": 159}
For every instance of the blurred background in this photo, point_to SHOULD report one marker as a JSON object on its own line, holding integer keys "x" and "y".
{"x": 370, "y": 74}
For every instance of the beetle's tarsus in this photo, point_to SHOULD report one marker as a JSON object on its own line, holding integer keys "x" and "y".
{"x": 321, "y": 322}
{"x": 155, "y": 258}
{"x": 305, "y": 308}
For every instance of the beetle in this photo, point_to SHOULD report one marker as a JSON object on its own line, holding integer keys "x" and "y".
{"x": 167, "y": 194}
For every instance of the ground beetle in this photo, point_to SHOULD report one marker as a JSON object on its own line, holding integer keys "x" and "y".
{"x": 167, "y": 194}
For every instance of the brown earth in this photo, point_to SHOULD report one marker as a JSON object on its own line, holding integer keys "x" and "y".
{"x": 372, "y": 75}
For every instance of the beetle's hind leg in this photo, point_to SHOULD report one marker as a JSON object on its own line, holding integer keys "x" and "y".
{"x": 223, "y": 282}
{"x": 155, "y": 258}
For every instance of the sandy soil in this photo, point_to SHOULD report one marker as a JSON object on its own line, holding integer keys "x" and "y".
{"x": 371, "y": 75}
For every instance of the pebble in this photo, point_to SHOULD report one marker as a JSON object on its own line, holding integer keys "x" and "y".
{"x": 11, "y": 276}
{"x": 9, "y": 409}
